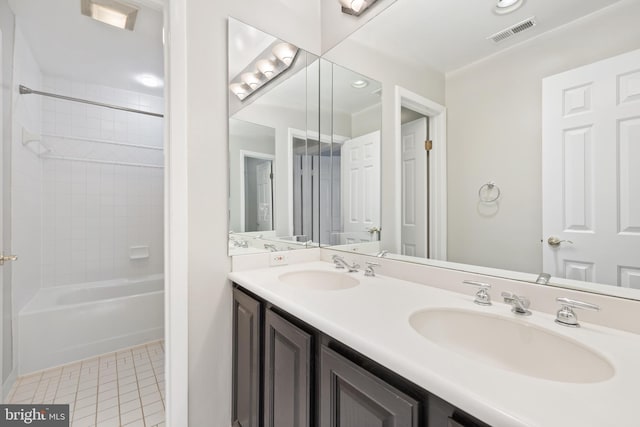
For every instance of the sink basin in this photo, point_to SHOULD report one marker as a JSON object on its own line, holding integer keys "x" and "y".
{"x": 512, "y": 345}
{"x": 320, "y": 280}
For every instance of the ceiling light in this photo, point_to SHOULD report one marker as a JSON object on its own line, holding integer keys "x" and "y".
{"x": 110, "y": 12}
{"x": 149, "y": 80}
{"x": 285, "y": 52}
{"x": 507, "y": 6}
{"x": 359, "y": 84}
{"x": 267, "y": 67}
{"x": 355, "y": 7}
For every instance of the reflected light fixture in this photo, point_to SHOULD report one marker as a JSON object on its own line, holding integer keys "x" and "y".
{"x": 149, "y": 80}
{"x": 285, "y": 52}
{"x": 110, "y": 12}
{"x": 251, "y": 79}
{"x": 355, "y": 7}
{"x": 240, "y": 90}
{"x": 272, "y": 62}
{"x": 507, "y": 6}
{"x": 359, "y": 84}
{"x": 266, "y": 67}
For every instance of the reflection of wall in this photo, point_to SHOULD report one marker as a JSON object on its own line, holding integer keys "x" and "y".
{"x": 389, "y": 72}
{"x": 366, "y": 121}
{"x": 494, "y": 133}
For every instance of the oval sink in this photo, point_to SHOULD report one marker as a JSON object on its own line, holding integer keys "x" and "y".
{"x": 512, "y": 345}
{"x": 319, "y": 280}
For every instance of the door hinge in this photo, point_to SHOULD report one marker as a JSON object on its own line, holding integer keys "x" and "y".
{"x": 428, "y": 145}
{"x": 271, "y": 175}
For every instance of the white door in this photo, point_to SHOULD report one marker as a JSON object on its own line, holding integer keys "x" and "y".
{"x": 414, "y": 189}
{"x": 264, "y": 178}
{"x": 591, "y": 172}
{"x": 360, "y": 170}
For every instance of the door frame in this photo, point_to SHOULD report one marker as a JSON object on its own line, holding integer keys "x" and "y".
{"x": 437, "y": 116}
{"x": 262, "y": 156}
{"x": 176, "y": 209}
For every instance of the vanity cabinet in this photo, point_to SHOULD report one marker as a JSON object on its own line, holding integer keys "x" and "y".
{"x": 246, "y": 360}
{"x": 288, "y": 374}
{"x": 353, "y": 397}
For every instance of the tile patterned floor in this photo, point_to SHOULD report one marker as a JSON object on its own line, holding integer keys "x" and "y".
{"x": 125, "y": 388}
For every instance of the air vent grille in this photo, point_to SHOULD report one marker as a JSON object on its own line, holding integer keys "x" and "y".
{"x": 513, "y": 30}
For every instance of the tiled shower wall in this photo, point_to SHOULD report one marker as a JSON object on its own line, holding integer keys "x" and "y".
{"x": 102, "y": 185}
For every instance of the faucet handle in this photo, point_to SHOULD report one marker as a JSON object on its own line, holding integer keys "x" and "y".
{"x": 369, "y": 272}
{"x": 482, "y": 296}
{"x": 566, "y": 316}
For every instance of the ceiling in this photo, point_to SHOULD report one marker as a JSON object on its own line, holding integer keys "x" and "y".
{"x": 447, "y": 35}
{"x": 67, "y": 44}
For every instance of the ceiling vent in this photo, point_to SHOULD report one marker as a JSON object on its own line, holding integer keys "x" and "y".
{"x": 513, "y": 30}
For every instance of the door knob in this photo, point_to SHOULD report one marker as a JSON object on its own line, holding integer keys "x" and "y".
{"x": 4, "y": 258}
{"x": 555, "y": 242}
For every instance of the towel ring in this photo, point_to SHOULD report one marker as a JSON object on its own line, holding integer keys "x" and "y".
{"x": 487, "y": 189}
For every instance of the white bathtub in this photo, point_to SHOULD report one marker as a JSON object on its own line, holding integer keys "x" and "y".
{"x": 67, "y": 323}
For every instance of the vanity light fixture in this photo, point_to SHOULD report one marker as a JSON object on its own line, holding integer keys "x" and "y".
{"x": 268, "y": 65}
{"x": 251, "y": 79}
{"x": 240, "y": 90}
{"x": 110, "y": 12}
{"x": 355, "y": 7}
{"x": 507, "y": 6}
{"x": 359, "y": 84}
{"x": 285, "y": 52}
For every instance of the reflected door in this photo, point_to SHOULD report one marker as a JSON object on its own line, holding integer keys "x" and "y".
{"x": 591, "y": 178}
{"x": 414, "y": 189}
{"x": 264, "y": 185}
{"x": 361, "y": 187}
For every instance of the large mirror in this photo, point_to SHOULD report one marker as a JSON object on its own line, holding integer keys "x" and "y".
{"x": 304, "y": 144}
{"x": 534, "y": 142}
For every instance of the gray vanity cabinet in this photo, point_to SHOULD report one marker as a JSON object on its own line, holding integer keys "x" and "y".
{"x": 353, "y": 397}
{"x": 287, "y": 373}
{"x": 246, "y": 360}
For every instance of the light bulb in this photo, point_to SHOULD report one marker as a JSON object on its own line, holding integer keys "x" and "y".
{"x": 285, "y": 52}
{"x": 251, "y": 79}
{"x": 266, "y": 67}
{"x": 356, "y": 5}
{"x": 240, "y": 90}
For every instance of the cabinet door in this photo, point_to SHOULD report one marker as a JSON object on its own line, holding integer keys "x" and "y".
{"x": 246, "y": 360}
{"x": 353, "y": 397}
{"x": 287, "y": 366}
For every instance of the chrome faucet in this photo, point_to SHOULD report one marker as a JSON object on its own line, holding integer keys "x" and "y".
{"x": 382, "y": 253}
{"x": 341, "y": 263}
{"x": 566, "y": 316}
{"x": 543, "y": 278}
{"x": 520, "y": 304}
{"x": 241, "y": 243}
{"x": 271, "y": 247}
{"x": 369, "y": 272}
{"x": 482, "y": 296}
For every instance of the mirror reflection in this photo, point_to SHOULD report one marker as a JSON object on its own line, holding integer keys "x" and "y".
{"x": 530, "y": 169}
{"x": 304, "y": 148}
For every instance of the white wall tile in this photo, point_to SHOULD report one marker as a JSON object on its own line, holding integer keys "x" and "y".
{"x": 100, "y": 210}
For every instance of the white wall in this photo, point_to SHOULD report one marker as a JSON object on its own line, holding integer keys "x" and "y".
{"x": 26, "y": 177}
{"x": 95, "y": 212}
{"x": 208, "y": 263}
{"x": 389, "y": 72}
{"x": 494, "y": 133}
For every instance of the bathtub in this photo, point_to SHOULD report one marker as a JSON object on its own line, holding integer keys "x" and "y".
{"x": 63, "y": 324}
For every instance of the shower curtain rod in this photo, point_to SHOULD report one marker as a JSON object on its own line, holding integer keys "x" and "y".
{"x": 25, "y": 91}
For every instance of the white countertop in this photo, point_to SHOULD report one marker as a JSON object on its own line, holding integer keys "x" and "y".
{"x": 372, "y": 318}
